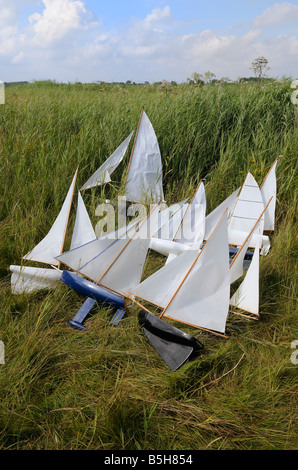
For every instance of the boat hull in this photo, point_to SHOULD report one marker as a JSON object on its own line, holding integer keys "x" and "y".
{"x": 27, "y": 279}
{"x": 92, "y": 290}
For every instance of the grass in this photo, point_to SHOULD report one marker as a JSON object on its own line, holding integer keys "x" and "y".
{"x": 107, "y": 388}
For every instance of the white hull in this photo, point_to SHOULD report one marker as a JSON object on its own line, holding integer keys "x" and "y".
{"x": 29, "y": 279}
{"x": 167, "y": 247}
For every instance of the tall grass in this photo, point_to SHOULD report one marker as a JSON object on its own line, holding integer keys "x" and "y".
{"x": 107, "y": 388}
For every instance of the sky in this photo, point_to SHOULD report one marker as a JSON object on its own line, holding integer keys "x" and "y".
{"x": 145, "y": 40}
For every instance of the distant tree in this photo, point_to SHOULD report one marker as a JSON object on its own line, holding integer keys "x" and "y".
{"x": 209, "y": 77}
{"x": 260, "y": 67}
{"x": 196, "y": 79}
{"x": 165, "y": 83}
{"x": 225, "y": 80}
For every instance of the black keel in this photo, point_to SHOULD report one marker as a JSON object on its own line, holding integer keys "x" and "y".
{"x": 173, "y": 345}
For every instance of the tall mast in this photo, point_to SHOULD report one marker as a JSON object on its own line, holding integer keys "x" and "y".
{"x": 59, "y": 263}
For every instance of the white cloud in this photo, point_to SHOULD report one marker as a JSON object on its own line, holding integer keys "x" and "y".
{"x": 277, "y": 15}
{"x": 59, "y": 19}
{"x": 65, "y": 42}
{"x": 158, "y": 20}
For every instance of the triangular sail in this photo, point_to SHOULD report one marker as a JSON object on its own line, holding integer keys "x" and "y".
{"x": 268, "y": 190}
{"x": 194, "y": 288}
{"x": 192, "y": 227}
{"x": 236, "y": 266}
{"x": 168, "y": 218}
{"x": 80, "y": 256}
{"x": 144, "y": 176}
{"x": 83, "y": 231}
{"x": 104, "y": 172}
{"x": 120, "y": 266}
{"x": 52, "y": 244}
{"x": 247, "y": 210}
{"x": 214, "y": 216}
{"x": 247, "y": 295}
{"x": 203, "y": 298}
{"x": 169, "y": 224}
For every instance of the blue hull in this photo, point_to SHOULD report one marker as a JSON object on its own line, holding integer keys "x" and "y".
{"x": 90, "y": 289}
{"x": 94, "y": 293}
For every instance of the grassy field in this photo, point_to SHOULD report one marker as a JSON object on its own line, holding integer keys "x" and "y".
{"x": 107, "y": 388}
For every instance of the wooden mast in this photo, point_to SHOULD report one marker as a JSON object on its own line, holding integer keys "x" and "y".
{"x": 76, "y": 174}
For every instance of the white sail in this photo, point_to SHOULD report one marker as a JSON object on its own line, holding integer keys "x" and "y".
{"x": 247, "y": 210}
{"x": 200, "y": 195}
{"x": 192, "y": 227}
{"x": 104, "y": 172}
{"x": 214, "y": 216}
{"x": 194, "y": 288}
{"x": 161, "y": 285}
{"x": 268, "y": 190}
{"x": 52, "y": 244}
{"x": 120, "y": 266}
{"x": 203, "y": 298}
{"x": 236, "y": 266}
{"x": 144, "y": 177}
{"x": 247, "y": 295}
{"x": 83, "y": 231}
{"x": 29, "y": 279}
{"x": 166, "y": 220}
{"x": 81, "y": 255}
{"x": 170, "y": 221}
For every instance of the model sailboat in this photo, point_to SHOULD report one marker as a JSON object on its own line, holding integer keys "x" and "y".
{"x": 108, "y": 274}
{"x": 194, "y": 288}
{"x": 30, "y": 279}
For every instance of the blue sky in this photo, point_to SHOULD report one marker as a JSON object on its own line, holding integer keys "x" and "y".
{"x": 148, "y": 40}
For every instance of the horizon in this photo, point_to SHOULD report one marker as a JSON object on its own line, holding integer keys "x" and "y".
{"x": 88, "y": 41}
